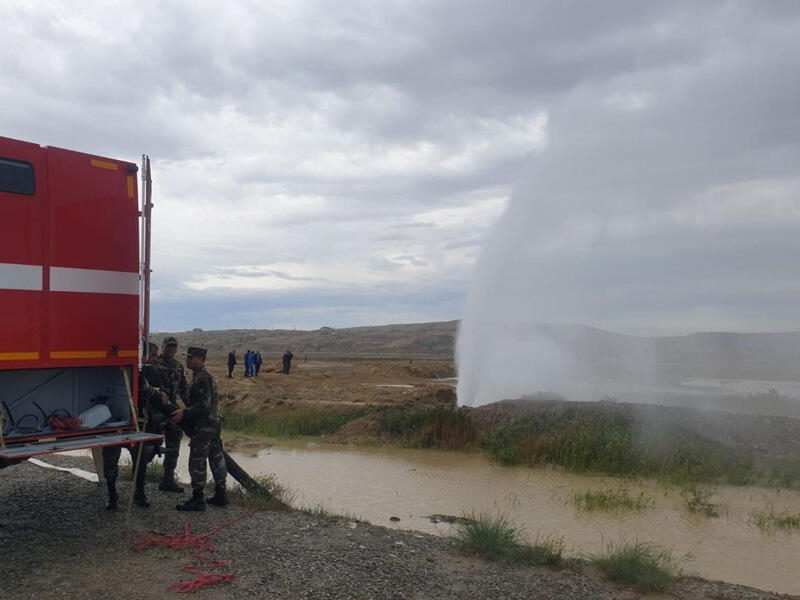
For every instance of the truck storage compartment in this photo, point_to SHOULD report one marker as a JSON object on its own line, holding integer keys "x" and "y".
{"x": 43, "y": 402}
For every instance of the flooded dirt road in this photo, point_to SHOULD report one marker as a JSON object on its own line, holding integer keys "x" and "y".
{"x": 401, "y": 488}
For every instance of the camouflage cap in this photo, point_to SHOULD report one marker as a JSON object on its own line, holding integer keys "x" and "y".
{"x": 169, "y": 341}
{"x": 195, "y": 351}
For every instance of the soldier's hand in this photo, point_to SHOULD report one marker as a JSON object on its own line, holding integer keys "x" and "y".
{"x": 177, "y": 416}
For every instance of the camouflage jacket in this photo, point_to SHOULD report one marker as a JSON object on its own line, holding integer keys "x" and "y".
{"x": 150, "y": 394}
{"x": 150, "y": 373}
{"x": 203, "y": 401}
{"x": 173, "y": 380}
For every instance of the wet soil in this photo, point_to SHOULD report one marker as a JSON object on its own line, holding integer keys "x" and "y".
{"x": 57, "y": 541}
{"x": 342, "y": 382}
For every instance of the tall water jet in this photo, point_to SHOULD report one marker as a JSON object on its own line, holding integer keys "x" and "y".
{"x": 642, "y": 231}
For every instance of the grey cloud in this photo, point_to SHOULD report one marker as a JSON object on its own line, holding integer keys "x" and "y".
{"x": 650, "y": 105}
{"x": 404, "y": 231}
{"x": 387, "y": 303}
{"x": 380, "y": 263}
{"x": 395, "y": 262}
{"x": 410, "y": 259}
{"x": 258, "y": 272}
{"x": 466, "y": 243}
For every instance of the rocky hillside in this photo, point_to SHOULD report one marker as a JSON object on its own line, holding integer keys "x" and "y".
{"x": 435, "y": 340}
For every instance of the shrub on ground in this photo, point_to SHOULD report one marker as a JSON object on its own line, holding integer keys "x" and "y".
{"x": 495, "y": 537}
{"x": 641, "y": 564}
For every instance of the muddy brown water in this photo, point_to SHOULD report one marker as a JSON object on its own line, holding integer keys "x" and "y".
{"x": 386, "y": 484}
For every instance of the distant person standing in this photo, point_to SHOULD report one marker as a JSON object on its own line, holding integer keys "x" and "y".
{"x": 231, "y": 363}
{"x": 250, "y": 363}
{"x": 257, "y": 361}
{"x": 245, "y": 359}
{"x": 287, "y": 361}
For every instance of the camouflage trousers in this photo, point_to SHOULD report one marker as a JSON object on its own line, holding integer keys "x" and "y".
{"x": 206, "y": 447}
{"x": 173, "y": 435}
{"x": 111, "y": 456}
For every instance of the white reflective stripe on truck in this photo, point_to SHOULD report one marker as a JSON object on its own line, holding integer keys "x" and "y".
{"x": 20, "y": 277}
{"x": 63, "y": 279}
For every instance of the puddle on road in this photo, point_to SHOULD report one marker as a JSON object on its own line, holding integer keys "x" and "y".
{"x": 378, "y": 485}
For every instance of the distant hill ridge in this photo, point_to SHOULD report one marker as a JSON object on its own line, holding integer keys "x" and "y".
{"x": 715, "y": 354}
{"x": 416, "y": 339}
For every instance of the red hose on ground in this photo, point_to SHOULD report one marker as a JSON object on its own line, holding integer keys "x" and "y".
{"x": 202, "y": 544}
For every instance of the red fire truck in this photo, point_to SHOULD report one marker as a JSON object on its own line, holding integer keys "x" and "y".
{"x": 74, "y": 299}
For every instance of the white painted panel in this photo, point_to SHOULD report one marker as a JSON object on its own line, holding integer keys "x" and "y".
{"x": 20, "y": 277}
{"x": 93, "y": 281}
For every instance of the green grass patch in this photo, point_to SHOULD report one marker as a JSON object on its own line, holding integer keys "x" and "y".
{"x": 579, "y": 442}
{"x": 490, "y": 536}
{"x": 441, "y": 427}
{"x": 324, "y": 513}
{"x": 642, "y": 564}
{"x": 768, "y": 521}
{"x": 596, "y": 439}
{"x": 611, "y": 500}
{"x": 582, "y": 439}
{"x": 400, "y": 421}
{"x": 698, "y": 500}
{"x": 416, "y": 427}
{"x": 289, "y": 423}
{"x": 781, "y": 472}
{"x": 269, "y": 495}
{"x": 545, "y": 552}
{"x": 495, "y": 537}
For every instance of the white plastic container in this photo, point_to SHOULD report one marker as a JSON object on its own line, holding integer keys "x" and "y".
{"x": 94, "y": 417}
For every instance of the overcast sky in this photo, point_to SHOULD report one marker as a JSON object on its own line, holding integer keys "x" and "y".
{"x": 347, "y": 163}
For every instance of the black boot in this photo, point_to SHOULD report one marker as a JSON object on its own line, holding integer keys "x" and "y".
{"x": 169, "y": 484}
{"x": 113, "y": 497}
{"x": 220, "y": 497}
{"x": 196, "y": 502}
{"x": 139, "y": 497}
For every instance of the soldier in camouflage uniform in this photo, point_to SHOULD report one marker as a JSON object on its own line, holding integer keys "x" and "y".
{"x": 152, "y": 402}
{"x": 173, "y": 382}
{"x": 201, "y": 420}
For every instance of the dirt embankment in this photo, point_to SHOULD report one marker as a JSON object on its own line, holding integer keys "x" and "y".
{"x": 342, "y": 382}
{"x": 431, "y": 382}
{"x": 764, "y": 435}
